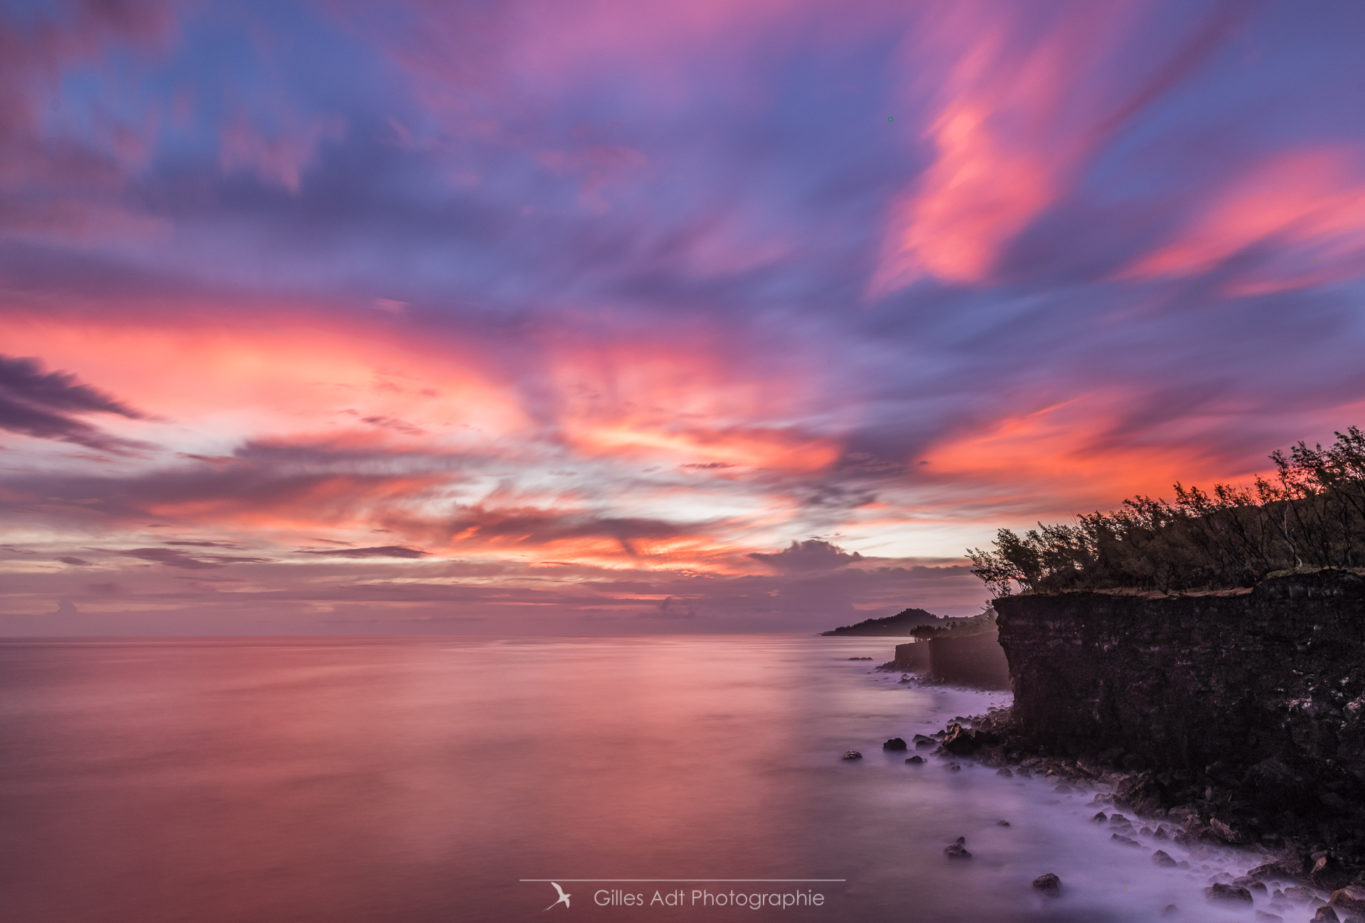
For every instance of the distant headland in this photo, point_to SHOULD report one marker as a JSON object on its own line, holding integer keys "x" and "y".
{"x": 900, "y": 625}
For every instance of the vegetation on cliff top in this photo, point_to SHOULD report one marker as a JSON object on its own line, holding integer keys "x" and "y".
{"x": 1309, "y": 514}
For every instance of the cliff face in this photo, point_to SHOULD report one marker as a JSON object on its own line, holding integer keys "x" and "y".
{"x": 975, "y": 660}
{"x": 1262, "y": 692}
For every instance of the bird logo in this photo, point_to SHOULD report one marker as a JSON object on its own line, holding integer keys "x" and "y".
{"x": 563, "y": 897}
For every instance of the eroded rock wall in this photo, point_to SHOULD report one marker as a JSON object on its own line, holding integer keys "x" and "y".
{"x": 1263, "y": 691}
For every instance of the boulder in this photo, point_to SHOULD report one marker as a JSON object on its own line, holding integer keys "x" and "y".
{"x": 957, "y": 849}
{"x": 1048, "y": 884}
{"x": 915, "y": 760}
{"x": 1163, "y": 859}
{"x": 895, "y": 743}
{"x": 1350, "y": 899}
{"x": 960, "y": 741}
{"x": 852, "y": 755}
{"x": 1327, "y": 873}
{"x": 1325, "y": 914}
{"x": 1224, "y": 832}
{"x": 1251, "y": 884}
{"x": 1228, "y": 893}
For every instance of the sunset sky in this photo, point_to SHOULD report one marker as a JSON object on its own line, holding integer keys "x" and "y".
{"x": 586, "y": 317}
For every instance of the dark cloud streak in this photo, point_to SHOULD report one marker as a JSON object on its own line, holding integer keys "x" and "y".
{"x": 45, "y": 404}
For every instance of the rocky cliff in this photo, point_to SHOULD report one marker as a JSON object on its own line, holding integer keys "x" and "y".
{"x": 975, "y": 660}
{"x": 1256, "y": 699}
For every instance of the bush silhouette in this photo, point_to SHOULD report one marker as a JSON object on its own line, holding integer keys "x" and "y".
{"x": 1309, "y": 514}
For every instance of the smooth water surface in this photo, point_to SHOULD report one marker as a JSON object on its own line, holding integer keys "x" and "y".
{"x": 355, "y": 780}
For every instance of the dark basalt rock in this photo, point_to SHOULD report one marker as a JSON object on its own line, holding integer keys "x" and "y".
{"x": 1048, "y": 884}
{"x": 1163, "y": 859}
{"x": 957, "y": 849}
{"x": 895, "y": 743}
{"x": 1325, "y": 914}
{"x": 1326, "y": 872}
{"x": 1350, "y": 899}
{"x": 1229, "y": 893}
{"x": 851, "y": 755}
{"x": 1246, "y": 707}
{"x": 1223, "y": 831}
{"x": 960, "y": 741}
{"x": 915, "y": 760}
{"x": 923, "y": 742}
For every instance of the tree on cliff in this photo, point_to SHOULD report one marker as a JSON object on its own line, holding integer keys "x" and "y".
{"x": 1310, "y": 513}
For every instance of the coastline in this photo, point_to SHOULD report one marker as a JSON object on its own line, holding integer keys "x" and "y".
{"x": 1287, "y": 875}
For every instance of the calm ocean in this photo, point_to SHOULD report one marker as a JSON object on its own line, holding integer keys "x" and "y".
{"x": 383, "y": 779}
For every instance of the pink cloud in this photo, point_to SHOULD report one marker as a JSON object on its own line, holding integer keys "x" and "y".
{"x": 1309, "y": 202}
{"x": 277, "y": 156}
{"x": 1016, "y": 111}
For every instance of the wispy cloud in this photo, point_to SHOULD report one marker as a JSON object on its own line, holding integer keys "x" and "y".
{"x": 697, "y": 314}
{"x": 48, "y": 405}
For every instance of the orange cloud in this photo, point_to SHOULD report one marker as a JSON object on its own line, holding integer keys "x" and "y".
{"x": 1049, "y": 459}
{"x": 684, "y": 403}
{"x": 300, "y": 504}
{"x": 261, "y": 372}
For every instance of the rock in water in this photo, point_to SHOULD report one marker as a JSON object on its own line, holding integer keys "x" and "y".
{"x": 895, "y": 743}
{"x": 852, "y": 755}
{"x": 960, "y": 741}
{"x": 1350, "y": 899}
{"x": 1325, "y": 914}
{"x": 916, "y": 761}
{"x": 957, "y": 849}
{"x": 1327, "y": 873}
{"x": 1229, "y": 893}
{"x": 1048, "y": 884}
{"x": 1225, "y": 832}
{"x": 1163, "y": 858}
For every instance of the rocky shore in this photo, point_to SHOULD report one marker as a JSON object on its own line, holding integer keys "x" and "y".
{"x": 1232, "y": 719}
{"x": 1295, "y": 867}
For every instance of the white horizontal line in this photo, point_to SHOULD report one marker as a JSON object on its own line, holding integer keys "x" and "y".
{"x": 695, "y": 880}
